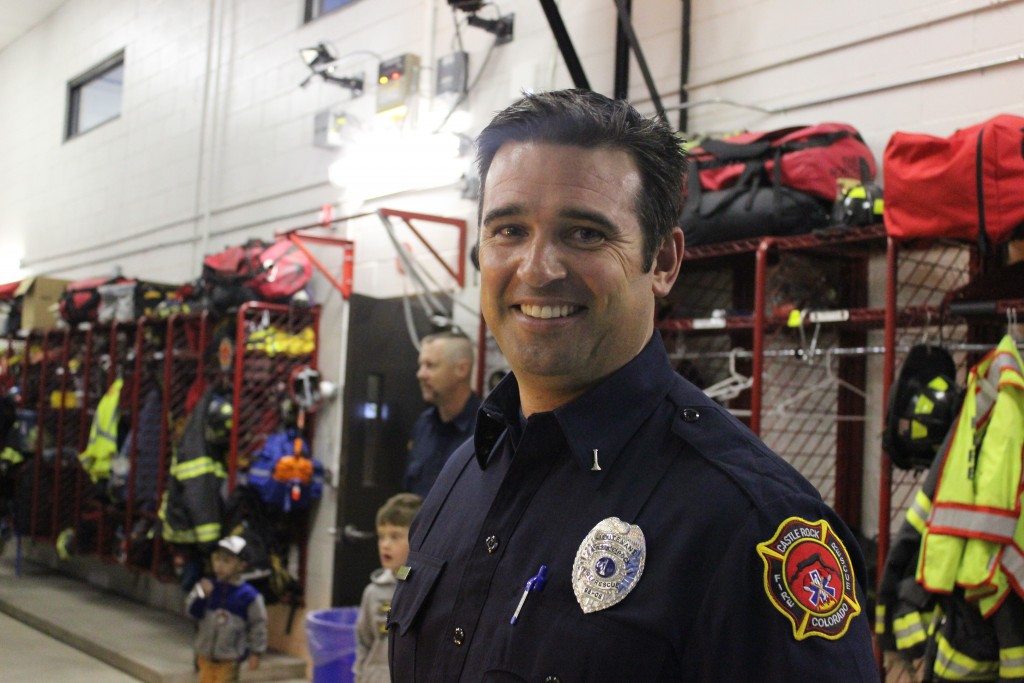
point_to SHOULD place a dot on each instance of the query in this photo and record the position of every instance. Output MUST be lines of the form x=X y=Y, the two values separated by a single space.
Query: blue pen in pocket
x=535 y=583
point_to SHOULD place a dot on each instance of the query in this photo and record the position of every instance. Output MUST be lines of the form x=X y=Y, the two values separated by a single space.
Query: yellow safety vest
x=102 y=445
x=976 y=511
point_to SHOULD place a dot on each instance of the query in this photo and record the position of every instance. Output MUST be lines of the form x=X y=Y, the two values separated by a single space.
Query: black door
x=381 y=402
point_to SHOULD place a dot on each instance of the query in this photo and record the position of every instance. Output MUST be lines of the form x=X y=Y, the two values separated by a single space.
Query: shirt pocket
x=562 y=643
x=406 y=605
x=412 y=593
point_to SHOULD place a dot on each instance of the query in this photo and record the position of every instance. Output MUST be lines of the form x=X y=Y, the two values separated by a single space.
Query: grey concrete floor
x=56 y=628
x=29 y=656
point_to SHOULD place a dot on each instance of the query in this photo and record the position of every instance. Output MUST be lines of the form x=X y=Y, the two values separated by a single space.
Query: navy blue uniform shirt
x=703 y=490
x=433 y=441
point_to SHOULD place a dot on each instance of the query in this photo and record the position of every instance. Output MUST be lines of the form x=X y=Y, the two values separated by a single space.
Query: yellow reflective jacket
x=976 y=508
x=102 y=445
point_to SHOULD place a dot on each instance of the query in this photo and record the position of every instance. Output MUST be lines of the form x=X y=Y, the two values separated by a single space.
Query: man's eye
x=587 y=235
x=507 y=231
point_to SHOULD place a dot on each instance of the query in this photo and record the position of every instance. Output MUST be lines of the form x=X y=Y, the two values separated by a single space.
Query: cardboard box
x=40 y=296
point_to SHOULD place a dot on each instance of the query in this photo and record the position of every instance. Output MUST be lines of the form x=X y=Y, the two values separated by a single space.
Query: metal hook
x=1011 y=321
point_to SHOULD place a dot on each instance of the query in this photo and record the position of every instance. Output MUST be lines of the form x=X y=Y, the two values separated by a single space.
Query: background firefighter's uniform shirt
x=432 y=443
x=704 y=491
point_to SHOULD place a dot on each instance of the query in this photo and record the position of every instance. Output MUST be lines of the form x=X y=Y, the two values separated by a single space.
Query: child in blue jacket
x=231 y=614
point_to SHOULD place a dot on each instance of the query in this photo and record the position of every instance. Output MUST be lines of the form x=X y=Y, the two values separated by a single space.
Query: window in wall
x=95 y=96
x=318 y=8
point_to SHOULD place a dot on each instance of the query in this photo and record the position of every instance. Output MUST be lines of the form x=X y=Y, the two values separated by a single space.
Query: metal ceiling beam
x=565 y=46
x=626 y=26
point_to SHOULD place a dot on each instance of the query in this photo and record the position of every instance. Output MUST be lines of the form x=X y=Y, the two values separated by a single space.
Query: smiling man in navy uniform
x=608 y=521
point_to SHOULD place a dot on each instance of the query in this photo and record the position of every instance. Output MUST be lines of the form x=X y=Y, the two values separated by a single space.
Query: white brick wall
x=138 y=186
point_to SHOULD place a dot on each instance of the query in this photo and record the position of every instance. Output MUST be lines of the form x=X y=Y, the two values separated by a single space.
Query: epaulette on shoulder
x=726 y=443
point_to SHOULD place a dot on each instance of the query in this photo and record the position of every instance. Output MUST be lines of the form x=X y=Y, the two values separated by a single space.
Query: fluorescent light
x=380 y=163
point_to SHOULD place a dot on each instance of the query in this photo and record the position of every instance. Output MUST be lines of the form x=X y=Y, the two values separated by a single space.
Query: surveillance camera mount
x=501 y=27
x=355 y=84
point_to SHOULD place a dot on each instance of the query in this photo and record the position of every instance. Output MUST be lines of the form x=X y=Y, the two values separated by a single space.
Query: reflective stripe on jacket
x=191 y=509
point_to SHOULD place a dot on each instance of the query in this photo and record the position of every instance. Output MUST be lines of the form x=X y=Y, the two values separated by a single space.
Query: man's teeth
x=545 y=312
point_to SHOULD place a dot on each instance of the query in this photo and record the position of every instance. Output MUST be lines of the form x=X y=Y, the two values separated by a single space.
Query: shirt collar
x=604 y=418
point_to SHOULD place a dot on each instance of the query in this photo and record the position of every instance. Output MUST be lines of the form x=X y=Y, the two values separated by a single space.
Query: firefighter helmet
x=219 y=420
x=859 y=204
x=923 y=404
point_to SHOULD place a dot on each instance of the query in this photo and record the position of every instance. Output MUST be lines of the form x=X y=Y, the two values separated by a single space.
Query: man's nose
x=541 y=263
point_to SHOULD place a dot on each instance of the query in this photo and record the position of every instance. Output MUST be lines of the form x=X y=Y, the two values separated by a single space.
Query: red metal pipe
x=345 y=284
x=83 y=419
x=59 y=450
x=459 y=276
x=412 y=215
x=40 y=418
x=236 y=396
x=112 y=350
x=133 y=447
x=203 y=334
x=888 y=373
x=462 y=226
x=103 y=529
x=757 y=352
x=165 y=412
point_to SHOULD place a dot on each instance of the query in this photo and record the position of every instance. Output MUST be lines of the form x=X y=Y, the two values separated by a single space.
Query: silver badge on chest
x=608 y=565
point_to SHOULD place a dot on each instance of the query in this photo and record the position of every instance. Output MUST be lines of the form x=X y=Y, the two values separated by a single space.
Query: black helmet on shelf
x=923 y=404
x=219 y=420
x=859 y=204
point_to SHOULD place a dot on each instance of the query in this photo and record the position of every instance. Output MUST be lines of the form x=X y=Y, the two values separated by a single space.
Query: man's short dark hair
x=583 y=118
x=399 y=510
x=460 y=349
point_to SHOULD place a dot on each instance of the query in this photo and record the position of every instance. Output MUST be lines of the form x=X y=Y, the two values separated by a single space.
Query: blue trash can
x=331 y=634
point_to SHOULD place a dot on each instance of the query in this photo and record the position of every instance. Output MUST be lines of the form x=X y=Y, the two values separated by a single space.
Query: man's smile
x=546 y=312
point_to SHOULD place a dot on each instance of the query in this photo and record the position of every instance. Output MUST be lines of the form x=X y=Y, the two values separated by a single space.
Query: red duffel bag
x=968 y=186
x=811 y=159
x=81 y=299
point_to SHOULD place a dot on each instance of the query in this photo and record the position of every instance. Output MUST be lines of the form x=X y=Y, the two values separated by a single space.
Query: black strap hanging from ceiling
x=684 y=67
x=625 y=28
x=621 y=90
x=572 y=61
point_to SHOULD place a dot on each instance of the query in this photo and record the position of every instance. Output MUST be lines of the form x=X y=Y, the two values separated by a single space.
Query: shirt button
x=690 y=414
x=492 y=544
x=459 y=636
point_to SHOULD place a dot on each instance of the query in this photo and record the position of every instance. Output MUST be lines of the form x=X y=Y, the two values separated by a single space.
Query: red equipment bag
x=234 y=265
x=969 y=185
x=8 y=290
x=810 y=159
x=285 y=269
x=80 y=301
x=781 y=182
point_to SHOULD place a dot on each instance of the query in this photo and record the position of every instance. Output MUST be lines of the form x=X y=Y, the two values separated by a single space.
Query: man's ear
x=667 y=261
x=465 y=368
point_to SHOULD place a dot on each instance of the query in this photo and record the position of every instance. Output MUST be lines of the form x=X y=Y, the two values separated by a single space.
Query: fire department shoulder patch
x=808 y=576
